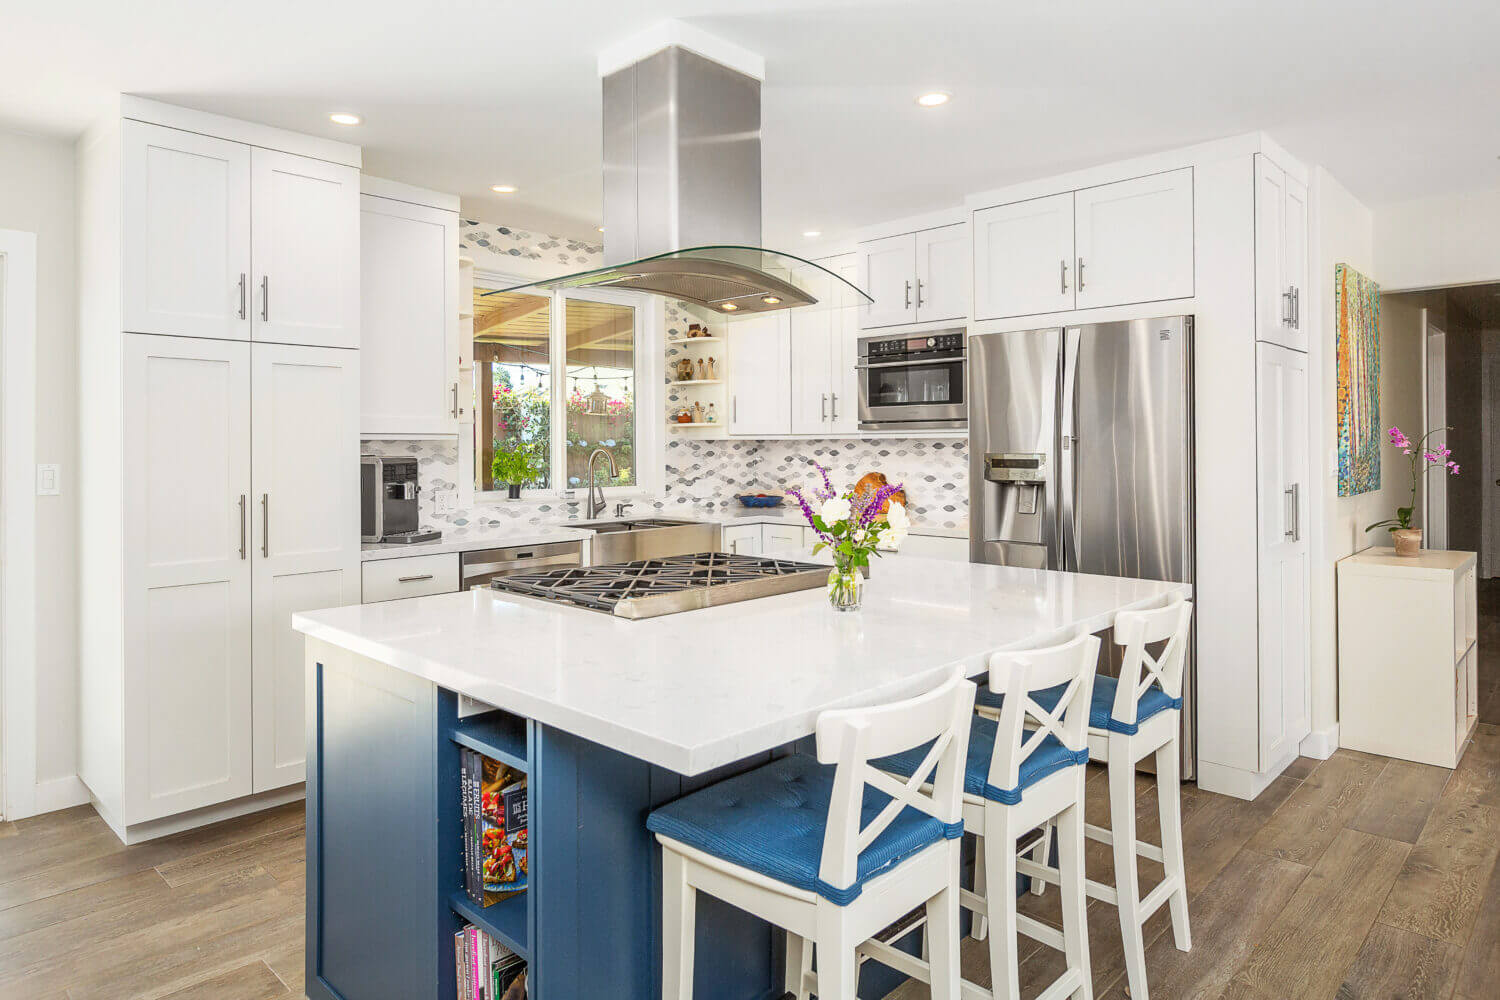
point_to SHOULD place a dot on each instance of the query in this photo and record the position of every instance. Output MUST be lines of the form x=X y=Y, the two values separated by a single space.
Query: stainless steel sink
x=628 y=539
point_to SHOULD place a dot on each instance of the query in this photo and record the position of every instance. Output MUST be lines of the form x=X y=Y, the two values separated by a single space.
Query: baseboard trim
x=60 y=793
x=137 y=833
x=1321 y=743
x=1237 y=782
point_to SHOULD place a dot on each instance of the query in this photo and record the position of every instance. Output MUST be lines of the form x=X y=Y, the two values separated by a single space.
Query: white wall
x=1344 y=232
x=36 y=195
x=1429 y=242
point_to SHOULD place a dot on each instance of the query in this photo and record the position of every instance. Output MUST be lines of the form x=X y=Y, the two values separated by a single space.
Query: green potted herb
x=513 y=468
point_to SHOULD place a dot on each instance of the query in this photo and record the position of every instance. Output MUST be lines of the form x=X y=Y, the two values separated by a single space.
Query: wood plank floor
x=1356 y=877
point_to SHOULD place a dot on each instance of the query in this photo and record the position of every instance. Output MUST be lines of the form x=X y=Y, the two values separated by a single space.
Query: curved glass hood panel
x=732 y=280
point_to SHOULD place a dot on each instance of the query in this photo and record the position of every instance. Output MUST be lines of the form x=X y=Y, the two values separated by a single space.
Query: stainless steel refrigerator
x=1081 y=456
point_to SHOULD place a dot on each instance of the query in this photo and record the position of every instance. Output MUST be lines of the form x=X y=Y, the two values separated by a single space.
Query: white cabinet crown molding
x=379 y=187
x=142 y=109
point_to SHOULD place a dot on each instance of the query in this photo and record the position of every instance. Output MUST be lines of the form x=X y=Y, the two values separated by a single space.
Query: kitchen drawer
x=411 y=576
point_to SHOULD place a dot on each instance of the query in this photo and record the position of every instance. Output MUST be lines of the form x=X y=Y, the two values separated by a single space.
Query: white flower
x=861 y=534
x=835 y=510
x=890 y=539
x=896 y=517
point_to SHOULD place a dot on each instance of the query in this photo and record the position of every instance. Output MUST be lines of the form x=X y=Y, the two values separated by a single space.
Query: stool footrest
x=1103 y=835
x=914 y=967
x=1038 y=931
x=1065 y=986
x=1158 y=896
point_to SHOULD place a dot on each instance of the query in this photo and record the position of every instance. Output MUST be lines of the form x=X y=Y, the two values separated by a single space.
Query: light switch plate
x=48 y=480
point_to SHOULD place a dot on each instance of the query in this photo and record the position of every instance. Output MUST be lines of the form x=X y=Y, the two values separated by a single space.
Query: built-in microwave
x=913 y=383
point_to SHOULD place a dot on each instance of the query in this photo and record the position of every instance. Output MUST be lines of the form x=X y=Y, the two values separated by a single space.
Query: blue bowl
x=751 y=501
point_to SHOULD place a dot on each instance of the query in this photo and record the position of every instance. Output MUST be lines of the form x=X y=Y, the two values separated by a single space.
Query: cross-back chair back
x=1023 y=723
x=851 y=738
x=1139 y=670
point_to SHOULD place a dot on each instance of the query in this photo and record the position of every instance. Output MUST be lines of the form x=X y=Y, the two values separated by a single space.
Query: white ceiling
x=1395 y=98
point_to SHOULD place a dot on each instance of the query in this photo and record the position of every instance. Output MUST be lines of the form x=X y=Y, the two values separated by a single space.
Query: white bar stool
x=830 y=854
x=1024 y=770
x=1134 y=717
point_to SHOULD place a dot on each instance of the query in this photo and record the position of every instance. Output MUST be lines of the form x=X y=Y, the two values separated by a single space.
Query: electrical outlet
x=445 y=500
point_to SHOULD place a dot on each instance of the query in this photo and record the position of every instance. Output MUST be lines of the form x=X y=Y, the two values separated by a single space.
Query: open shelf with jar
x=696 y=379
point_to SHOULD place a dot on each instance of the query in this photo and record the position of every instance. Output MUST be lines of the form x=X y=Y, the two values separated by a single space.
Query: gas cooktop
x=648 y=588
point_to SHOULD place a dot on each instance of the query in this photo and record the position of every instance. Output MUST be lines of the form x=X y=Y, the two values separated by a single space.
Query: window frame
x=650 y=434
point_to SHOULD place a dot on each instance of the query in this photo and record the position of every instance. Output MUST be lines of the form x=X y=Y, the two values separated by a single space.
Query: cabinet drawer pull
x=242 y=295
x=1296 y=308
x=414 y=579
x=455 y=400
x=908 y=294
x=242 y=525
x=1286 y=307
x=265 y=298
x=265 y=525
x=1080 y=274
x=835 y=397
x=919 y=293
x=1063 y=276
x=825 y=406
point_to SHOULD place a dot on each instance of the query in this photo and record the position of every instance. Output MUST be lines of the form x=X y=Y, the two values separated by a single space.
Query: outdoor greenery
x=523 y=429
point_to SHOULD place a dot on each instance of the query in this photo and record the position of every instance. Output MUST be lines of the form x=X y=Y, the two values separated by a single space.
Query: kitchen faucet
x=593 y=506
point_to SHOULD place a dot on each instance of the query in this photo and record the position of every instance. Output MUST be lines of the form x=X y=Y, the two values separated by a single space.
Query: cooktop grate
x=647 y=588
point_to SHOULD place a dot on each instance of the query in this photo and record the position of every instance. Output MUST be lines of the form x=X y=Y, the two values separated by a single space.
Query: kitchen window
x=556 y=376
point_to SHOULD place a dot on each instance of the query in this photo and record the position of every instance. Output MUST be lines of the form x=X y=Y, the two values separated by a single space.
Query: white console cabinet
x=1408 y=654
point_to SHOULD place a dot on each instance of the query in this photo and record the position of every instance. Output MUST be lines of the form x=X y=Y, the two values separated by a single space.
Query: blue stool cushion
x=1153 y=701
x=772 y=820
x=1050 y=756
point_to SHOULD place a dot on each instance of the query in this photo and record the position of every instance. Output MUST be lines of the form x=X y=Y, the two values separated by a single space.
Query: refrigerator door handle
x=1067 y=464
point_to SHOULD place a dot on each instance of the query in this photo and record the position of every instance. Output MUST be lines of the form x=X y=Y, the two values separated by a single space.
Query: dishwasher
x=483 y=565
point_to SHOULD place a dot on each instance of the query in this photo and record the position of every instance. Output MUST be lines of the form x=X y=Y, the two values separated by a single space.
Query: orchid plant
x=846 y=524
x=1423 y=461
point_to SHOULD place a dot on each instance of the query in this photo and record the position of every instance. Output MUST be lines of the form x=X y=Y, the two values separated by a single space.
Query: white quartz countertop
x=477 y=538
x=492 y=536
x=697 y=690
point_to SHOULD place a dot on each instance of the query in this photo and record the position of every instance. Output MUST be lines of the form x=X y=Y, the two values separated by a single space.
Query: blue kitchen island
x=608 y=718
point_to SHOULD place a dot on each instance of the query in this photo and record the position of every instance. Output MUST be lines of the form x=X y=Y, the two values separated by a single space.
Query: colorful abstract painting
x=1357 y=307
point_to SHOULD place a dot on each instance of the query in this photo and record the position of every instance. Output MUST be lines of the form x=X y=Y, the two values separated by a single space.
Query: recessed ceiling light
x=934 y=99
x=343 y=118
x=729 y=307
x=770 y=300
x=601 y=229
x=503 y=188
x=813 y=234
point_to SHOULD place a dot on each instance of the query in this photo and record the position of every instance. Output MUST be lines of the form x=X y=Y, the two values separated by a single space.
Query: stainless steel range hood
x=682 y=203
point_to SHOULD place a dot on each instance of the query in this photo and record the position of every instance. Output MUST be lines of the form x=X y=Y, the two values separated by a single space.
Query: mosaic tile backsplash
x=702 y=478
x=503 y=247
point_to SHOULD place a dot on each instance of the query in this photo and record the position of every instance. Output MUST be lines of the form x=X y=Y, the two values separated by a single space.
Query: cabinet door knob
x=835 y=406
x=242 y=295
x=919 y=293
x=1063 y=277
x=265 y=525
x=242 y=525
x=908 y=294
x=265 y=298
x=1080 y=274
x=825 y=406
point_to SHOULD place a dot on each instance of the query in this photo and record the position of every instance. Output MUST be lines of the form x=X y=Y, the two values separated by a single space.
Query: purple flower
x=1399 y=439
x=877 y=502
x=827 y=492
x=1453 y=468
x=807 y=512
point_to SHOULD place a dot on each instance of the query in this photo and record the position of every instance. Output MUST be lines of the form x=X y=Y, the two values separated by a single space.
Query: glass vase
x=845 y=587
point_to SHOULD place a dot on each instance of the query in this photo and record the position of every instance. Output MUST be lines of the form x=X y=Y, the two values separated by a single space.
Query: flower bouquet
x=847 y=526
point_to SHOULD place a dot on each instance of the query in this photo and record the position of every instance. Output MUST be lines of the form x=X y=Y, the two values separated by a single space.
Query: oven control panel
x=897 y=348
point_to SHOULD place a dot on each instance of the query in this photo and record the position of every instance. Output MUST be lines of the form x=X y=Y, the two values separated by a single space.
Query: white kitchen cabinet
x=409 y=576
x=942 y=260
x=187 y=579
x=919 y=277
x=887 y=273
x=305 y=246
x=1108 y=245
x=1407 y=681
x=759 y=374
x=184 y=233
x=843 y=401
x=1133 y=240
x=1023 y=257
x=1282 y=517
x=226 y=240
x=812 y=361
x=304 y=439
x=1280 y=256
x=409 y=307
x=783 y=539
x=742 y=539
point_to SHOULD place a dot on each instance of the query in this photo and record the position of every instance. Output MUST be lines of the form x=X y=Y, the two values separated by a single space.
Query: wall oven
x=913 y=383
